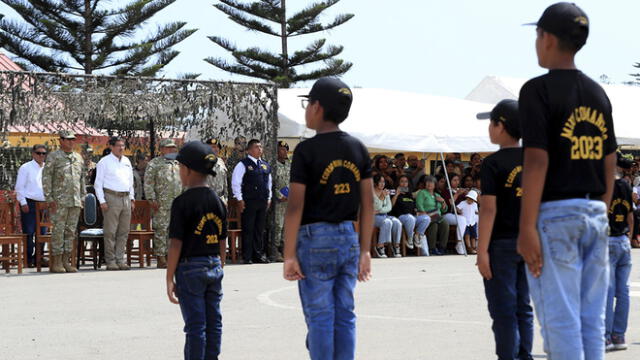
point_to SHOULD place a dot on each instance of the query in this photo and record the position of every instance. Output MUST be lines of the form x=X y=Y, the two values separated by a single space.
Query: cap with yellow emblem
x=283 y=144
x=566 y=21
x=198 y=156
x=332 y=94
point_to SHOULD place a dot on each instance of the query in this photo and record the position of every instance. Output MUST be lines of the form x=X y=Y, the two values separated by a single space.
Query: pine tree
x=90 y=35
x=281 y=68
x=636 y=76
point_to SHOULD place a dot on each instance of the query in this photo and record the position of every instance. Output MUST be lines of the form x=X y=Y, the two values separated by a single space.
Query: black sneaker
x=380 y=252
x=396 y=252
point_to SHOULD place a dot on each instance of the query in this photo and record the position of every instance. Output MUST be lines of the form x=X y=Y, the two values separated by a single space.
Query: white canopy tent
x=624 y=100
x=399 y=121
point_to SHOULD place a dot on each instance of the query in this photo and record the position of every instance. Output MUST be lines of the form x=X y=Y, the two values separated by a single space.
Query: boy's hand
x=529 y=249
x=171 y=291
x=484 y=265
x=364 y=273
x=291 y=270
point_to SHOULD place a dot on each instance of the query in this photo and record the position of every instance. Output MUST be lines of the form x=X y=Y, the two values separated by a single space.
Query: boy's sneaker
x=618 y=342
x=396 y=252
x=608 y=345
x=380 y=252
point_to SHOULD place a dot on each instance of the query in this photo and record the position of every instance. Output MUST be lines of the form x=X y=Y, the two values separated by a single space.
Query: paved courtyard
x=415 y=308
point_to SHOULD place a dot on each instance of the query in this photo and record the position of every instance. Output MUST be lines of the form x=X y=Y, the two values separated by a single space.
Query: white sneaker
x=460 y=248
x=396 y=252
x=416 y=240
x=410 y=241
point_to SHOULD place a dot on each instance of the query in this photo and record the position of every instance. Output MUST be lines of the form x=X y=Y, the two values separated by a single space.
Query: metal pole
x=453 y=203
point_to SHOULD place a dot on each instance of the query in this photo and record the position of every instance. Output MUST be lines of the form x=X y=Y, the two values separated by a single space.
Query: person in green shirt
x=429 y=202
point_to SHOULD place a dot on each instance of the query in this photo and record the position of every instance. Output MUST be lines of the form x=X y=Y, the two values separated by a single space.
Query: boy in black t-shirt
x=503 y=270
x=330 y=189
x=620 y=225
x=567 y=180
x=197 y=228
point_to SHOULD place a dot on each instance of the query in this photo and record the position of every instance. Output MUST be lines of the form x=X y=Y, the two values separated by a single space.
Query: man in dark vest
x=251 y=185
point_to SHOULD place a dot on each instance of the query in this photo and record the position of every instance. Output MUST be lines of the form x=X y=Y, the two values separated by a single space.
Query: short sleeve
x=176 y=224
x=365 y=171
x=299 y=173
x=488 y=173
x=610 y=144
x=534 y=116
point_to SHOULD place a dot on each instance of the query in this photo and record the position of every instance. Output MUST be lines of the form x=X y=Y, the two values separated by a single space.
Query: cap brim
x=483 y=115
x=304 y=96
x=530 y=24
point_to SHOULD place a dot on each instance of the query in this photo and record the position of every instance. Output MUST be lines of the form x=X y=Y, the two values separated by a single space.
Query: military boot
x=66 y=263
x=162 y=262
x=56 y=264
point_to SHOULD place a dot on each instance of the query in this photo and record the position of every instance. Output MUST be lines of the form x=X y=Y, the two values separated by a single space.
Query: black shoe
x=248 y=262
x=263 y=260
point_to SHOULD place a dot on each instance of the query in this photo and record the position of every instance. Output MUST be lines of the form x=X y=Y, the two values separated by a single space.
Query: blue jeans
x=390 y=228
x=620 y=261
x=508 y=299
x=28 y=221
x=412 y=223
x=571 y=292
x=199 y=290
x=328 y=255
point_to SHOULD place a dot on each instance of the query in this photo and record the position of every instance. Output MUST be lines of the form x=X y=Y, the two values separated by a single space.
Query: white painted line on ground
x=265 y=299
x=634 y=293
x=635 y=284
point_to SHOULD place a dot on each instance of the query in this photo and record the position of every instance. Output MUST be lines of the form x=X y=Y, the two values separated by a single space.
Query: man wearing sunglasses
x=28 y=191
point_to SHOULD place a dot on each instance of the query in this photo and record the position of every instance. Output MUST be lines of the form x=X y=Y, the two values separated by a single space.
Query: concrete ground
x=415 y=308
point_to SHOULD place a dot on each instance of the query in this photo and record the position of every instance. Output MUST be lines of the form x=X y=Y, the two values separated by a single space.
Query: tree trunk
x=88 y=44
x=286 y=81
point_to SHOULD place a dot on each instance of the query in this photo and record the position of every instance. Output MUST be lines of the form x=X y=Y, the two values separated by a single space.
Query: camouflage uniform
x=90 y=169
x=162 y=184
x=218 y=183
x=282 y=172
x=63 y=182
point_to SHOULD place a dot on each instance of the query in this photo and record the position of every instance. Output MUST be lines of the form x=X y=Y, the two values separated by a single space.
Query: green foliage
x=636 y=76
x=269 y=17
x=91 y=35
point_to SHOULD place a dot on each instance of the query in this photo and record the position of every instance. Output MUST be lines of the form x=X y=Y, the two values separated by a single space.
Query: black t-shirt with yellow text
x=621 y=206
x=500 y=176
x=569 y=115
x=331 y=165
x=199 y=220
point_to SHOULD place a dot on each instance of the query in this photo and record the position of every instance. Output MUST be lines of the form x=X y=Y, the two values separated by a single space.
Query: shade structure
x=399 y=121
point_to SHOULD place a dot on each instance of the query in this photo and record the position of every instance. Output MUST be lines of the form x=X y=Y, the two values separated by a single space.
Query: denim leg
x=345 y=316
x=502 y=298
x=422 y=223
x=524 y=311
x=396 y=229
x=595 y=283
x=317 y=296
x=28 y=221
x=614 y=255
x=556 y=292
x=622 y=272
x=213 y=296
x=383 y=223
x=409 y=223
x=191 y=288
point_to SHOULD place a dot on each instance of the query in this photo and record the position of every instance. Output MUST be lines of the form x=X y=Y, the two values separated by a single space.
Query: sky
x=426 y=46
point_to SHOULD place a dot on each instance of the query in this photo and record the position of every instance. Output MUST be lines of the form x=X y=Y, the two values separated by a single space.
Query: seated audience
x=429 y=202
x=404 y=208
x=390 y=227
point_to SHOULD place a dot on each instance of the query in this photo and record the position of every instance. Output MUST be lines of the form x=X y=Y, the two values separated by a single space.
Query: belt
x=116 y=193
x=557 y=197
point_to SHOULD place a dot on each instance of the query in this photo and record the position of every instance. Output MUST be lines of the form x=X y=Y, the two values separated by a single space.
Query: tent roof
x=624 y=100
x=399 y=121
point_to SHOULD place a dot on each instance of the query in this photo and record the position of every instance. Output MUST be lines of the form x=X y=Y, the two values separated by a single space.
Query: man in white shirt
x=251 y=184
x=28 y=191
x=114 y=190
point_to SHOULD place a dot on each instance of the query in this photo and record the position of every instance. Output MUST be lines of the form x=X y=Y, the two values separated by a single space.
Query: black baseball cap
x=332 y=94
x=197 y=156
x=623 y=162
x=566 y=21
x=506 y=112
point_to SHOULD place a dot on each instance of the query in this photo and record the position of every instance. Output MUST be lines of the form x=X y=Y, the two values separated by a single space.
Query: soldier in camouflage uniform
x=238 y=153
x=63 y=182
x=218 y=183
x=89 y=164
x=281 y=187
x=162 y=185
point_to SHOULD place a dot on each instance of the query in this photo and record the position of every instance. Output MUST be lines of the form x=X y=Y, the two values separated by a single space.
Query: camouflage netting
x=139 y=109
